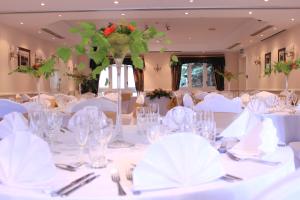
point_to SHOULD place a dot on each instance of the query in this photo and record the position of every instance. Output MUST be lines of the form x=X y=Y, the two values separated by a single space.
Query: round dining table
x=287 y=125
x=256 y=176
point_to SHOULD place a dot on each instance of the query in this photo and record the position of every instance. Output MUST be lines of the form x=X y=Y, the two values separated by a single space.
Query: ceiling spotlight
x=60 y=15
x=116 y=2
x=186 y=13
x=266 y=0
x=250 y=13
x=191 y=1
x=123 y=14
x=43 y=4
x=261 y=35
x=21 y=23
x=293 y=19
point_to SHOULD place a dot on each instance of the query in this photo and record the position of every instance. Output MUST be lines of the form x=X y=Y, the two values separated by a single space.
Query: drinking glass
x=54 y=123
x=82 y=133
x=178 y=114
x=142 y=114
x=98 y=143
x=155 y=132
x=37 y=122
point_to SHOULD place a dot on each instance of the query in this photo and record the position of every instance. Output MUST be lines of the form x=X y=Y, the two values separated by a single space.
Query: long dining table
x=256 y=176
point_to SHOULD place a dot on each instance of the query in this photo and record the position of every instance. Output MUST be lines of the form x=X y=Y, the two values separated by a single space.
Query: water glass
x=155 y=132
x=178 y=114
x=37 y=122
x=81 y=133
x=98 y=143
x=142 y=114
x=54 y=123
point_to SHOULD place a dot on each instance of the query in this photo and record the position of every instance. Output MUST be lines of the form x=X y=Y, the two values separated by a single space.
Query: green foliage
x=158 y=93
x=113 y=40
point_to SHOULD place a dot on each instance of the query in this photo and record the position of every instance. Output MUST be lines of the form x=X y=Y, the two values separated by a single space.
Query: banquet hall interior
x=152 y=99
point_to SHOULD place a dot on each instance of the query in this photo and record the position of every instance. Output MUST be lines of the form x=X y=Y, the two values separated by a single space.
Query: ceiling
x=189 y=32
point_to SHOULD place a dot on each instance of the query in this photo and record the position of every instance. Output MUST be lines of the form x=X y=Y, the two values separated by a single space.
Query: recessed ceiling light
x=275 y=28
x=266 y=0
x=116 y=2
x=186 y=13
x=21 y=23
x=261 y=35
x=123 y=14
x=43 y=4
x=293 y=19
x=60 y=15
x=191 y=1
x=250 y=13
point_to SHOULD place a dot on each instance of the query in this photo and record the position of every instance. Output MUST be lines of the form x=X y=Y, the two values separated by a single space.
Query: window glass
x=131 y=83
x=197 y=75
x=184 y=76
x=211 y=81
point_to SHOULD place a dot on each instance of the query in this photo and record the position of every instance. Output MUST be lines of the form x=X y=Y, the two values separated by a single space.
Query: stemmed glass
x=37 y=122
x=82 y=133
x=54 y=123
x=178 y=114
x=142 y=114
x=98 y=142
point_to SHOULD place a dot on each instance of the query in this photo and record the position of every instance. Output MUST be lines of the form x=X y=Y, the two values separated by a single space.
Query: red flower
x=109 y=30
x=36 y=66
x=131 y=27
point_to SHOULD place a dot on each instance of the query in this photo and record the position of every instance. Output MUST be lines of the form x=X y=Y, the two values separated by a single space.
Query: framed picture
x=23 y=57
x=268 y=61
x=281 y=55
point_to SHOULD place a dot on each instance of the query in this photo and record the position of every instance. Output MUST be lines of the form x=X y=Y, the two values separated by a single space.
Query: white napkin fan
x=178 y=160
x=25 y=161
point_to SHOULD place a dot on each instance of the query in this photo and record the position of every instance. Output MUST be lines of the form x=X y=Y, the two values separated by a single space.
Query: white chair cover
x=8 y=106
x=218 y=103
x=285 y=189
x=188 y=101
x=102 y=103
x=200 y=95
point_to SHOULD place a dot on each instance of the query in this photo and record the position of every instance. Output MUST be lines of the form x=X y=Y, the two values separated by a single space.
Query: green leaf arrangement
x=228 y=75
x=158 y=93
x=286 y=67
x=46 y=69
x=114 y=40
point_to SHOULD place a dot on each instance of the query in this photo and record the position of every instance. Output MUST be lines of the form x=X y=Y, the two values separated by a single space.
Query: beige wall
x=20 y=83
x=256 y=78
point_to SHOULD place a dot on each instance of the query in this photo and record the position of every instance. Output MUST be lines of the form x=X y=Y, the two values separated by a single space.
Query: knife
x=79 y=186
x=73 y=183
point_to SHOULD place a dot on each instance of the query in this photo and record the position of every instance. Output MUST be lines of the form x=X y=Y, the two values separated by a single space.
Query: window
x=108 y=78
x=200 y=75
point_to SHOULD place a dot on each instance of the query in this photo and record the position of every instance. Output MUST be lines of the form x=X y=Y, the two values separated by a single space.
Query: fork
x=129 y=176
x=116 y=178
x=236 y=158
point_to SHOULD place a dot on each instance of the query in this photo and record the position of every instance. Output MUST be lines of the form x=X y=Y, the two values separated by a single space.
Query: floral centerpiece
x=286 y=67
x=44 y=69
x=228 y=76
x=158 y=93
x=114 y=40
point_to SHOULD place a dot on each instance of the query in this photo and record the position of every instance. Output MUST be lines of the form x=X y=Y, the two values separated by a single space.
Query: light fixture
x=191 y=1
x=43 y=4
x=261 y=35
x=123 y=14
x=116 y=2
x=186 y=13
x=60 y=15
x=257 y=61
x=293 y=19
x=21 y=23
x=266 y=0
x=250 y=13
x=157 y=68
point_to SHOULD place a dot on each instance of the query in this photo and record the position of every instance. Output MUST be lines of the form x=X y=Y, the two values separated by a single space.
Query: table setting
x=172 y=157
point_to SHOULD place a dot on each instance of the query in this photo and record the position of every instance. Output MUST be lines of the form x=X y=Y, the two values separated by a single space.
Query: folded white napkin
x=242 y=125
x=261 y=139
x=25 y=160
x=257 y=106
x=83 y=112
x=185 y=114
x=165 y=165
x=188 y=101
x=12 y=122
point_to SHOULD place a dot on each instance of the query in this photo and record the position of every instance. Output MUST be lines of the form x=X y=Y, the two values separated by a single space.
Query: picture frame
x=281 y=55
x=24 y=58
x=268 y=60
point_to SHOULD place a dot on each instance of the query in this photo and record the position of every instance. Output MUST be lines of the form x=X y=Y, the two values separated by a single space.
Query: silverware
x=231 y=178
x=66 y=167
x=79 y=186
x=116 y=178
x=236 y=158
x=72 y=184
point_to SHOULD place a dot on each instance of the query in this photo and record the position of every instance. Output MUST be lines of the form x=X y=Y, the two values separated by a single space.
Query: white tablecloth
x=287 y=125
x=257 y=177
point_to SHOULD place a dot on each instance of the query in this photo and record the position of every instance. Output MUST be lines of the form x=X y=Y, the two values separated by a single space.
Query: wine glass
x=178 y=114
x=37 y=122
x=81 y=133
x=98 y=143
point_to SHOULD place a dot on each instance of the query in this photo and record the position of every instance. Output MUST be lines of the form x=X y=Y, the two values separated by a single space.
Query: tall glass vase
x=38 y=82
x=119 y=140
x=286 y=83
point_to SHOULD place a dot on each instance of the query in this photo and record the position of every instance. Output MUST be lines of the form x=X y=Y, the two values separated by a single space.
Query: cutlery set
x=236 y=158
x=74 y=185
